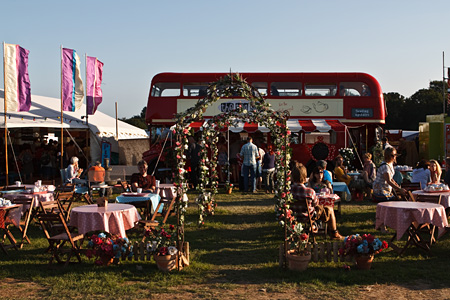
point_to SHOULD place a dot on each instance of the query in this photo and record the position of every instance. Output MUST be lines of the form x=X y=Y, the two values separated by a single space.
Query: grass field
x=235 y=253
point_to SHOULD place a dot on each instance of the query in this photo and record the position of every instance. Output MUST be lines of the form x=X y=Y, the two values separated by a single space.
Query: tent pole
x=6 y=127
x=62 y=131
x=228 y=156
x=117 y=125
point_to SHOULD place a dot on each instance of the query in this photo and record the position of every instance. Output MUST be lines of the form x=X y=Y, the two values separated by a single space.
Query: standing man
x=249 y=154
x=194 y=155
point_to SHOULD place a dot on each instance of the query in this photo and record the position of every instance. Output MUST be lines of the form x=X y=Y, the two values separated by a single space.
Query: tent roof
x=295 y=125
x=46 y=112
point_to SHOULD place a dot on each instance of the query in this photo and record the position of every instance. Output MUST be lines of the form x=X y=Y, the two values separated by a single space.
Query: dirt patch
x=18 y=289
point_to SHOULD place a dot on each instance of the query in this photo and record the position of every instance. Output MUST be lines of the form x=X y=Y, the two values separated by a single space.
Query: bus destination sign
x=362 y=112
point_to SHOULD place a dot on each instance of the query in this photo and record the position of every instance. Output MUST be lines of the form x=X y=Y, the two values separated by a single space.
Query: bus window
x=286 y=89
x=261 y=87
x=326 y=137
x=166 y=89
x=195 y=89
x=320 y=90
x=354 y=89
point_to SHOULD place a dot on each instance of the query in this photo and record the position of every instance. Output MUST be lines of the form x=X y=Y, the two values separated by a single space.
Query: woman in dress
x=435 y=171
x=384 y=183
x=317 y=183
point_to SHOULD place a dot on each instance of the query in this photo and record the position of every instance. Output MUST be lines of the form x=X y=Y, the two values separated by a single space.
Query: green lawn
x=238 y=245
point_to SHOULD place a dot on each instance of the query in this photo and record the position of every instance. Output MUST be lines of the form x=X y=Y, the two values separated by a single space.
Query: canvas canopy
x=46 y=112
x=295 y=125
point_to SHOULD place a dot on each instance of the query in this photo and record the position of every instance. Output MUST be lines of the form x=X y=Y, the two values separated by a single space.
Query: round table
x=399 y=215
x=115 y=219
x=445 y=196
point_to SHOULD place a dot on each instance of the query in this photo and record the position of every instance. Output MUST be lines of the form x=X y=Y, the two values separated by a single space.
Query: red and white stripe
x=294 y=125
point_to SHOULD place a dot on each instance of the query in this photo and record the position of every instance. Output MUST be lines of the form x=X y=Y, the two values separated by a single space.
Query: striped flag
x=72 y=84
x=17 y=80
x=94 y=74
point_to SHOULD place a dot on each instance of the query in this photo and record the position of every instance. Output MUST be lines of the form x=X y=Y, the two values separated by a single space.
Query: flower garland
x=257 y=111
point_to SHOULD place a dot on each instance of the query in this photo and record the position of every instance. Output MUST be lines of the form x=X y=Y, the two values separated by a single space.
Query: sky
x=400 y=43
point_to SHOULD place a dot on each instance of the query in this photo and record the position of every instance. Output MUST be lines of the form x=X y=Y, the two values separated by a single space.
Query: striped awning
x=295 y=125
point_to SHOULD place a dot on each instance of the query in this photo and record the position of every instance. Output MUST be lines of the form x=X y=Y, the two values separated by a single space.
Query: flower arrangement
x=105 y=247
x=228 y=185
x=162 y=242
x=348 y=155
x=366 y=244
x=297 y=238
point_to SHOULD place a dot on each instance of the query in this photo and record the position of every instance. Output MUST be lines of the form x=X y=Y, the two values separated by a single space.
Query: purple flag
x=72 y=84
x=17 y=80
x=94 y=75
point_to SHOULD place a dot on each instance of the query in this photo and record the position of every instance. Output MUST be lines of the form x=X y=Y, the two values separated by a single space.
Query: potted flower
x=228 y=187
x=162 y=245
x=107 y=248
x=362 y=248
x=298 y=256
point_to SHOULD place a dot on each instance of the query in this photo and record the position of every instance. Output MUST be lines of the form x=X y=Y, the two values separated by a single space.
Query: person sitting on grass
x=143 y=180
x=318 y=212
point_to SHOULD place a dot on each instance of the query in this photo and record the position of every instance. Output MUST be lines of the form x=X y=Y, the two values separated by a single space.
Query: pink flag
x=72 y=84
x=17 y=80
x=94 y=74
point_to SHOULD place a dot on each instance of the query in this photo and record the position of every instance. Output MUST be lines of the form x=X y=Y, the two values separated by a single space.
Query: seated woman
x=317 y=181
x=435 y=171
x=73 y=172
x=422 y=173
x=369 y=172
x=340 y=171
x=318 y=212
x=384 y=182
x=142 y=180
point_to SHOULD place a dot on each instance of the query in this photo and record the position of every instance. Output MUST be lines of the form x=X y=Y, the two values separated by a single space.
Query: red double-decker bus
x=328 y=111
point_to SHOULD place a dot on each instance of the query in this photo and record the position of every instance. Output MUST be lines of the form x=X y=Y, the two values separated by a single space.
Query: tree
x=137 y=120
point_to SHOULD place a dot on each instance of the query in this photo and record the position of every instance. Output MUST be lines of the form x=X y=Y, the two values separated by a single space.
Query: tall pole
x=62 y=131
x=117 y=125
x=443 y=84
x=87 y=112
x=6 y=127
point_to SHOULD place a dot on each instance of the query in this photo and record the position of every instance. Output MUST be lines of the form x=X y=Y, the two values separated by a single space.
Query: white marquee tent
x=46 y=112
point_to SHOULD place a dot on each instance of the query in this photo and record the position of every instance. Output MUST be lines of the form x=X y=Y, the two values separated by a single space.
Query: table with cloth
x=168 y=191
x=116 y=218
x=445 y=196
x=37 y=196
x=9 y=215
x=343 y=188
x=406 y=217
x=138 y=198
x=330 y=200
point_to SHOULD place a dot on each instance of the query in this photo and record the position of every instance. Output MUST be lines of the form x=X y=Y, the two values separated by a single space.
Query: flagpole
x=443 y=83
x=86 y=96
x=62 y=131
x=6 y=127
x=117 y=125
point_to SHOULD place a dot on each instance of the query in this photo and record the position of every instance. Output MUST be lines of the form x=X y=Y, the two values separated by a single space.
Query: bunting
x=94 y=74
x=17 y=80
x=72 y=84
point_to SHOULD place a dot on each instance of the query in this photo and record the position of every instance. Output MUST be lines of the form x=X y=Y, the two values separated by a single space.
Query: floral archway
x=253 y=109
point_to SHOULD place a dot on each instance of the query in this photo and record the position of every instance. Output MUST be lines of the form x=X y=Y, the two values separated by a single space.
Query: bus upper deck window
x=354 y=89
x=261 y=87
x=320 y=90
x=195 y=89
x=286 y=89
x=166 y=89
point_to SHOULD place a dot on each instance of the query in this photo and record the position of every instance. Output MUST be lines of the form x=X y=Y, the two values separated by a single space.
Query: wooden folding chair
x=125 y=186
x=168 y=209
x=436 y=198
x=57 y=241
x=411 y=186
x=27 y=215
x=65 y=200
x=4 y=228
x=408 y=197
x=301 y=211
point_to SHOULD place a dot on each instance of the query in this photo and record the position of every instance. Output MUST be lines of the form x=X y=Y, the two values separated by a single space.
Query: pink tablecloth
x=168 y=190
x=116 y=219
x=329 y=200
x=445 y=196
x=38 y=197
x=399 y=215
x=10 y=214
